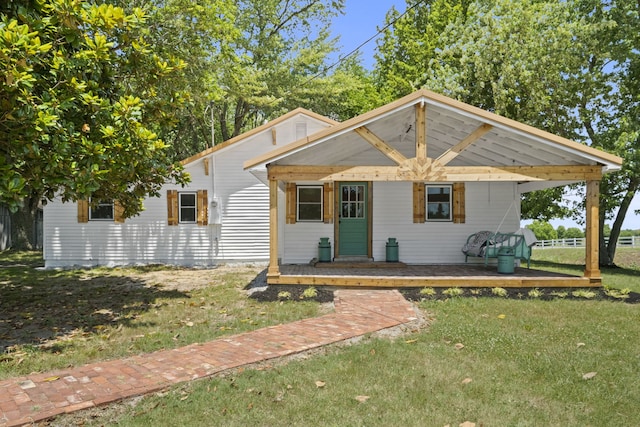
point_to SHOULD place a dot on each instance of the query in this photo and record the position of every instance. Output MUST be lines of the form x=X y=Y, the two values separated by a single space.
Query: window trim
x=102 y=203
x=426 y=198
x=195 y=207
x=320 y=202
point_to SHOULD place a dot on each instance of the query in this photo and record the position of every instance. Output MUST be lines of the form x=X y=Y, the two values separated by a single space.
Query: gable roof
x=258 y=130
x=502 y=142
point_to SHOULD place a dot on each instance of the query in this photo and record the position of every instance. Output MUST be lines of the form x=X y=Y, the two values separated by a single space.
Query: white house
x=425 y=169
x=222 y=216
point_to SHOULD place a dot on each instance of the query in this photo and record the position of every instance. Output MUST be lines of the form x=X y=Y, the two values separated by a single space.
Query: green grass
x=571 y=261
x=58 y=318
x=525 y=360
x=521 y=363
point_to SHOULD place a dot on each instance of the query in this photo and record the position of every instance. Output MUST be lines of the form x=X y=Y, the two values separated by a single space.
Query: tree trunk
x=603 y=255
x=24 y=225
x=617 y=224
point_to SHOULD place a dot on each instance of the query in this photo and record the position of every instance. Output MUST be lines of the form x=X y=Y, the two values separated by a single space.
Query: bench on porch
x=487 y=244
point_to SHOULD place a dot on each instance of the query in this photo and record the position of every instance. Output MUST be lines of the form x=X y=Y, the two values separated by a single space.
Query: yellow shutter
x=83 y=210
x=172 y=207
x=458 y=203
x=118 y=212
x=203 y=212
x=327 y=200
x=419 y=204
x=291 y=195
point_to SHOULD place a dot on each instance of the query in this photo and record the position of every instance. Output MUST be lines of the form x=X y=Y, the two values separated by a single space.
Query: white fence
x=623 y=242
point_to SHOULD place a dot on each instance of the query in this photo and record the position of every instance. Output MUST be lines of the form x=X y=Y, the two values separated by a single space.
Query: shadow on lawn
x=37 y=306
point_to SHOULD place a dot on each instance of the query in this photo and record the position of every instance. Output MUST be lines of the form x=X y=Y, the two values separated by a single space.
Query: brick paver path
x=32 y=398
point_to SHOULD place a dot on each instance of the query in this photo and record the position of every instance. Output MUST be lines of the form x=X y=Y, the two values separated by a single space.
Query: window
x=188 y=207
x=309 y=203
x=446 y=201
x=103 y=211
x=352 y=201
x=439 y=203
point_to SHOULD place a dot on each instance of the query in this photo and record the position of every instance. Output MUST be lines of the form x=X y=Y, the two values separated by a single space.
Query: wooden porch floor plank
x=427 y=276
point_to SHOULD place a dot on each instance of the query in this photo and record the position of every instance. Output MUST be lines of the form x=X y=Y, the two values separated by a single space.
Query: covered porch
x=395 y=155
x=378 y=275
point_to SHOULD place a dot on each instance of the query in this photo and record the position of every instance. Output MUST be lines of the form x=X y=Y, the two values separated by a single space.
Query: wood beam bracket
x=454 y=151
x=379 y=144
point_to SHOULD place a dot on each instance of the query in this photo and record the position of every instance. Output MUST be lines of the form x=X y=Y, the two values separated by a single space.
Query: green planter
x=324 y=250
x=392 y=250
x=506 y=261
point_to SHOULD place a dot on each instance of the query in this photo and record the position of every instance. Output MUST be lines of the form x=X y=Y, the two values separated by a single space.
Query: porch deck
x=402 y=275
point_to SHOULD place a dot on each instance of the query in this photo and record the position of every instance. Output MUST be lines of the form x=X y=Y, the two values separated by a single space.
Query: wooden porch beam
x=379 y=144
x=453 y=152
x=421 y=133
x=592 y=238
x=444 y=174
x=274 y=269
x=522 y=173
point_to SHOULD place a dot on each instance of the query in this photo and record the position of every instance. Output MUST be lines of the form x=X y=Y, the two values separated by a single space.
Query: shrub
x=453 y=292
x=534 y=293
x=310 y=292
x=284 y=295
x=499 y=292
x=427 y=292
x=583 y=293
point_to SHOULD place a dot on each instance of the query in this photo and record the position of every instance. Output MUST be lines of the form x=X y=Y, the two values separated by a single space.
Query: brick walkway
x=32 y=398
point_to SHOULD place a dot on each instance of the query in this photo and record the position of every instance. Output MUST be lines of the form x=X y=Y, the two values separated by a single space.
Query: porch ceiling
x=444 y=129
x=506 y=143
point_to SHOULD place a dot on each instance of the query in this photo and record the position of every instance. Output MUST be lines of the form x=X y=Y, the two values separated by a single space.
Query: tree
x=272 y=66
x=543 y=230
x=561 y=231
x=572 y=233
x=198 y=34
x=77 y=105
x=410 y=42
x=251 y=61
x=345 y=92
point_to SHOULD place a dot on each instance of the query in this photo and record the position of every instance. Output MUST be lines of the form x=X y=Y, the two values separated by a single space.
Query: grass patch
x=52 y=319
x=522 y=364
x=571 y=261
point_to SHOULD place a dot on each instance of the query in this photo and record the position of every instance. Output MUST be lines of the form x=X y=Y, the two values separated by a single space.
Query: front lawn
x=52 y=319
x=489 y=361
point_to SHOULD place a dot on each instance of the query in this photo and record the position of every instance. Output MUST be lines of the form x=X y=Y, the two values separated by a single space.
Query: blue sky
x=361 y=21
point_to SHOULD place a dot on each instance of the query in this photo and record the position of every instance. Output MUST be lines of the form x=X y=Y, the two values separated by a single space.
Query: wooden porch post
x=274 y=269
x=421 y=133
x=592 y=246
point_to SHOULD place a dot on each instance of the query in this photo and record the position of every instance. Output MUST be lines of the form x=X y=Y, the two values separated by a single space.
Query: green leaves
x=74 y=119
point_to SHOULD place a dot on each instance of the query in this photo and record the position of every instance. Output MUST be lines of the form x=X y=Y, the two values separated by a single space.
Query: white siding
x=143 y=239
x=237 y=231
x=438 y=242
x=301 y=241
x=486 y=205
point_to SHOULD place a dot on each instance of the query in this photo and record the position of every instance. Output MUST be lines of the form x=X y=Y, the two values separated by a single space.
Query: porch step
x=353 y=258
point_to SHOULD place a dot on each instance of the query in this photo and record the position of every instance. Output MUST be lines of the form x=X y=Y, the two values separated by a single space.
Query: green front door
x=353 y=236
